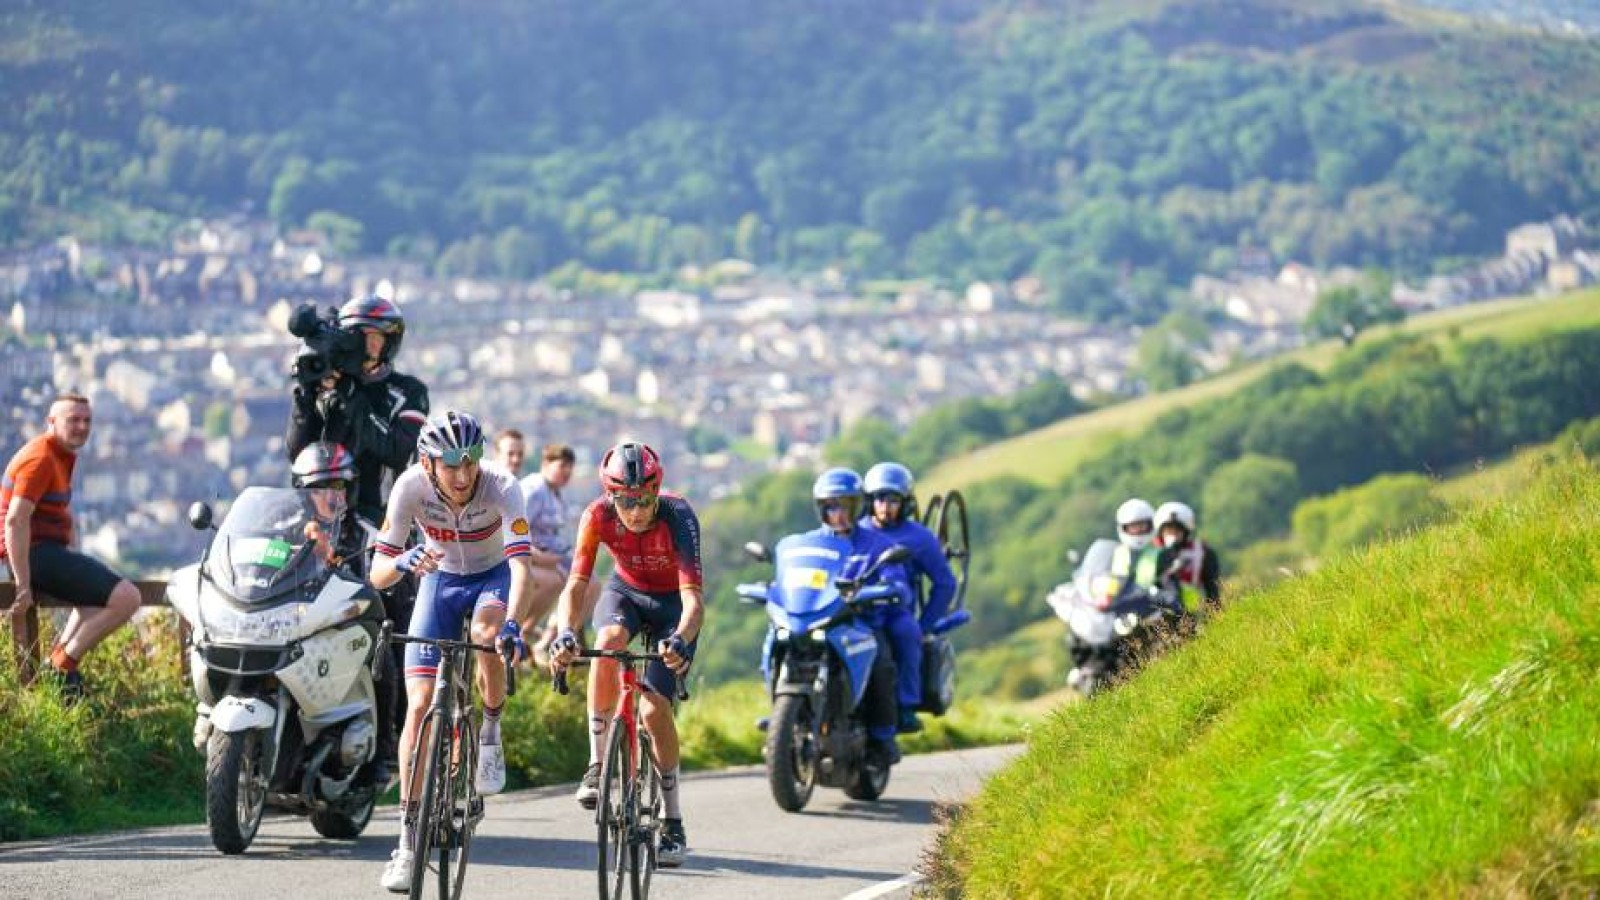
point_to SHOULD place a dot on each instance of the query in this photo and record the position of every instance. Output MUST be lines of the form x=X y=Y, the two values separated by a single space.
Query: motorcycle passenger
x=654 y=538
x=1192 y=563
x=889 y=487
x=474 y=560
x=838 y=495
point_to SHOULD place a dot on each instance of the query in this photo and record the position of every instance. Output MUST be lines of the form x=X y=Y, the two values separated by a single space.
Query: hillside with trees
x=1111 y=149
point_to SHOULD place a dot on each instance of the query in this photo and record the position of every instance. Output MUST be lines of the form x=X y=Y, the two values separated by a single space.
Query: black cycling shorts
x=654 y=614
x=70 y=576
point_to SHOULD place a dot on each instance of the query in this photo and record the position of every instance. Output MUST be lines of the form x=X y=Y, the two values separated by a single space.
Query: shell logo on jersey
x=519 y=527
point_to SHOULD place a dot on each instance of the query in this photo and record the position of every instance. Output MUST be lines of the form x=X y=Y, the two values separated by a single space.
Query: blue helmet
x=893 y=478
x=838 y=485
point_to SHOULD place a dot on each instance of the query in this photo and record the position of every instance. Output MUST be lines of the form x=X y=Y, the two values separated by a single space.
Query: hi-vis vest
x=1143 y=569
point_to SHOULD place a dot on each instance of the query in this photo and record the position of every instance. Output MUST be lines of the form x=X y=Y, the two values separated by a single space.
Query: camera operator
x=348 y=392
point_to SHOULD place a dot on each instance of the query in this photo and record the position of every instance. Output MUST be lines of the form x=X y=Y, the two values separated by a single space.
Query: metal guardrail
x=25 y=645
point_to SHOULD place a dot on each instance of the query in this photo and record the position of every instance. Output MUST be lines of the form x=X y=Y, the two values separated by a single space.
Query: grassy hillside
x=1405 y=722
x=1052 y=453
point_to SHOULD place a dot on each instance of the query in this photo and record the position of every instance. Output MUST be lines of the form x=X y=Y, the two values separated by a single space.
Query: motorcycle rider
x=839 y=495
x=654 y=539
x=1190 y=561
x=473 y=563
x=889 y=488
x=1135 y=557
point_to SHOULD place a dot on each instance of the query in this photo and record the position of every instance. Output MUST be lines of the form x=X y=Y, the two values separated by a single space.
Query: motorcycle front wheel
x=236 y=788
x=791 y=753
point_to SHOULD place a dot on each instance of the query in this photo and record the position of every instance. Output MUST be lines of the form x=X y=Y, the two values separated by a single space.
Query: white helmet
x=1173 y=511
x=1132 y=512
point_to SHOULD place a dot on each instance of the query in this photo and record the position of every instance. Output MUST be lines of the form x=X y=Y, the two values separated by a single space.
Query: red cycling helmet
x=631 y=469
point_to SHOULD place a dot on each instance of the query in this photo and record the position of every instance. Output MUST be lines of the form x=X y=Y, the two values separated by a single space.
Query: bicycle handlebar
x=508 y=654
x=559 y=680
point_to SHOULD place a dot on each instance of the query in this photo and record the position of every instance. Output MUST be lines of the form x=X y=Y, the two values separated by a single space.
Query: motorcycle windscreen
x=807 y=565
x=263 y=551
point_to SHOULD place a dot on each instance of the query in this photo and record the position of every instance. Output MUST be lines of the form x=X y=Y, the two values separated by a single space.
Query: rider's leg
x=663 y=728
x=905 y=637
x=604 y=686
x=486 y=624
x=419 y=696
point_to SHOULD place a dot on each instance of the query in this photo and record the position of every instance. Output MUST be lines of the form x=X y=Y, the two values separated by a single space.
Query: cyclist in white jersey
x=474 y=558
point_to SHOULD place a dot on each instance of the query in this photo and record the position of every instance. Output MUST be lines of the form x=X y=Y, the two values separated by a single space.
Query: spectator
x=34 y=503
x=510 y=447
x=551 y=534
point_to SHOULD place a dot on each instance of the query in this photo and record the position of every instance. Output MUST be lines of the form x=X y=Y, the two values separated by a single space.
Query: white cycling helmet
x=1173 y=511
x=1140 y=516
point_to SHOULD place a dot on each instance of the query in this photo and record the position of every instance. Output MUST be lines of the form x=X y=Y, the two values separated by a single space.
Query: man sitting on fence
x=34 y=499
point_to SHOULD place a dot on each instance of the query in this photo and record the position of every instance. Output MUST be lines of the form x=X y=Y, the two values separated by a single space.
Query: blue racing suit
x=902 y=623
x=867 y=545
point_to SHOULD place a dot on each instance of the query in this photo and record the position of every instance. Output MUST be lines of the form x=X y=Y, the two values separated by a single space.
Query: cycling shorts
x=443 y=602
x=655 y=615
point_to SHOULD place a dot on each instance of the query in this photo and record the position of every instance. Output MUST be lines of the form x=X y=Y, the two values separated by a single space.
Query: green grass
x=1048 y=455
x=1411 y=720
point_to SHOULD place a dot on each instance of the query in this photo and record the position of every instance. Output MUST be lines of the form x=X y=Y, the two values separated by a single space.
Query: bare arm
x=521 y=600
x=693 y=613
x=19 y=536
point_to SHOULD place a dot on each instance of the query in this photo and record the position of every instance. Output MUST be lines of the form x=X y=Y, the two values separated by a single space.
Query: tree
x=1167 y=351
x=1347 y=310
x=1249 y=499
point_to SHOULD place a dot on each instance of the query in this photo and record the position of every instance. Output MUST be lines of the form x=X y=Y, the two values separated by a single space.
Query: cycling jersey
x=467 y=540
x=664 y=557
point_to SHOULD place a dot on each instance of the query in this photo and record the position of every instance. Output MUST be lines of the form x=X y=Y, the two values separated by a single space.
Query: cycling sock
x=597 y=735
x=490 y=732
x=62 y=660
x=408 y=824
x=669 y=793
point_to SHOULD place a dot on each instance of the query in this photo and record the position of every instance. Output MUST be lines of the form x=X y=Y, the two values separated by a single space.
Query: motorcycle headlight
x=274 y=626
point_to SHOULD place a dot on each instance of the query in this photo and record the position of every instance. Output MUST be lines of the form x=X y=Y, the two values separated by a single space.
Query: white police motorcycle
x=283 y=651
x=1103 y=611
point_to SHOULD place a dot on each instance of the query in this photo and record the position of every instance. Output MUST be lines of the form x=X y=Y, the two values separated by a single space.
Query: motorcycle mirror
x=200 y=515
x=757 y=551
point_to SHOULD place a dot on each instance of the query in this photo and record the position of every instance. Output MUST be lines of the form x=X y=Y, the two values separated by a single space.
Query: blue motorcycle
x=816 y=661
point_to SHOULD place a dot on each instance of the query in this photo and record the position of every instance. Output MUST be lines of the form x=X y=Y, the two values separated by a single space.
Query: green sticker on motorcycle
x=275 y=554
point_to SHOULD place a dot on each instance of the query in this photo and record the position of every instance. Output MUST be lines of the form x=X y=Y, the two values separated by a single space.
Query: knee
x=125 y=599
x=612 y=637
x=484 y=631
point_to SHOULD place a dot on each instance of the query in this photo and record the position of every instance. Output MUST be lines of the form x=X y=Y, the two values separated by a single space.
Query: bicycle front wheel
x=613 y=820
x=647 y=834
x=432 y=753
x=463 y=807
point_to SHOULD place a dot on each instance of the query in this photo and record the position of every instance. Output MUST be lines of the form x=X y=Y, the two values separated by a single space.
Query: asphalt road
x=540 y=843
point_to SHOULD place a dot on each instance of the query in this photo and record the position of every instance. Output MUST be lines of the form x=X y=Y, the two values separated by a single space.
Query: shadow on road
x=908 y=812
x=710 y=865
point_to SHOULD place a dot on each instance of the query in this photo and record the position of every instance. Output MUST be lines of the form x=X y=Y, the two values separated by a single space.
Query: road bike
x=446 y=753
x=628 y=817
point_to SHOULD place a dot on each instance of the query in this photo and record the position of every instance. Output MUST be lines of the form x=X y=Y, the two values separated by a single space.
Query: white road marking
x=886 y=888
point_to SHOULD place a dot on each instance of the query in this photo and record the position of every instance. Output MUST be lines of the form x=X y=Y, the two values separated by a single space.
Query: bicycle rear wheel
x=612 y=819
x=433 y=755
x=647 y=834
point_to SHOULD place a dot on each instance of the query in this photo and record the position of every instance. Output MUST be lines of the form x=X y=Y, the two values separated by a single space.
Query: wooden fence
x=25 y=636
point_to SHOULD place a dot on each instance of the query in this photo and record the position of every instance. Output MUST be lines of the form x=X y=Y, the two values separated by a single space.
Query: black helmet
x=377 y=314
x=322 y=462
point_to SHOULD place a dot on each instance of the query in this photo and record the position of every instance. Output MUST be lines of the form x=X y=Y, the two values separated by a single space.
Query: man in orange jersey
x=37 y=537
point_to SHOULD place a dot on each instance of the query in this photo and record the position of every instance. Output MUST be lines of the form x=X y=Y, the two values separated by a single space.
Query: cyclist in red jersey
x=654 y=537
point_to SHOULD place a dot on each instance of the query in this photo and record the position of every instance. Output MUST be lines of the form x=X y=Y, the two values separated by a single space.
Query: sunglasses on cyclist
x=633 y=501
x=455 y=456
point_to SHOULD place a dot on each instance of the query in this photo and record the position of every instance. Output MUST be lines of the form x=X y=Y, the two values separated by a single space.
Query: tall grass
x=1417 y=719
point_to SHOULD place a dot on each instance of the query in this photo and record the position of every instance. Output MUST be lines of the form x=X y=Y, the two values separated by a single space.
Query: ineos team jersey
x=491 y=527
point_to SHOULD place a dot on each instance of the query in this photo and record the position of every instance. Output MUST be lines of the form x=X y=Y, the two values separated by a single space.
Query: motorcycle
x=817 y=659
x=284 y=649
x=1104 y=612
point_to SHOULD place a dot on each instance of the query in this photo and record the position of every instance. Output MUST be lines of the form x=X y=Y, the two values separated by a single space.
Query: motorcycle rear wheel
x=791 y=753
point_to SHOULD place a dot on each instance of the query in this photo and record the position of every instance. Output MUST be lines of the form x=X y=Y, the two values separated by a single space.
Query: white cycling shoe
x=491 y=769
x=397 y=874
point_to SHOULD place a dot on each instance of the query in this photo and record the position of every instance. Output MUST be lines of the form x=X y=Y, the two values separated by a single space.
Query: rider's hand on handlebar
x=674 y=652
x=563 y=650
x=419 y=560
x=511 y=635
